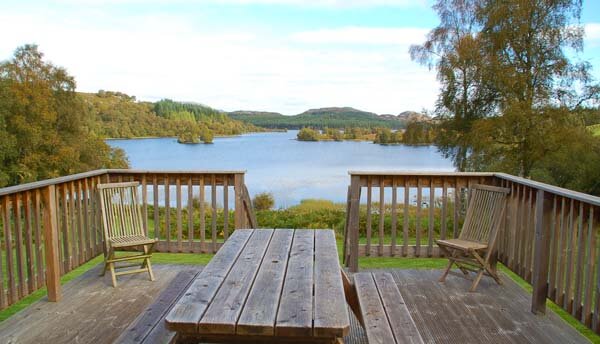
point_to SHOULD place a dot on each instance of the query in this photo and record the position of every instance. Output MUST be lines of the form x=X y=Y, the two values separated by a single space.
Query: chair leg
x=146 y=263
x=112 y=274
x=107 y=256
x=445 y=274
x=476 y=280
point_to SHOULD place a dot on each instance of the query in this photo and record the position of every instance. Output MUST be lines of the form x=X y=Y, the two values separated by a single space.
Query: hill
x=331 y=117
x=118 y=115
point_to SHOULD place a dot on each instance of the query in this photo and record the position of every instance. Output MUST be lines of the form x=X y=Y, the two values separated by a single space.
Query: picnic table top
x=263 y=283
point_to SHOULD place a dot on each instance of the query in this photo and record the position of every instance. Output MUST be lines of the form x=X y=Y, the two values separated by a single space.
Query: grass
x=595 y=129
x=364 y=262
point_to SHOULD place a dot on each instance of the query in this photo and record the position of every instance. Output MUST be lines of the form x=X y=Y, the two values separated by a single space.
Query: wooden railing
x=53 y=226
x=548 y=237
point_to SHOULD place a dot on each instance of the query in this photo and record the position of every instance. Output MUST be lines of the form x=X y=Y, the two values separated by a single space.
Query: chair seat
x=133 y=240
x=462 y=244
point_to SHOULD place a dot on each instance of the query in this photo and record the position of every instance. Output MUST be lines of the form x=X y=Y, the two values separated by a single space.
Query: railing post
x=51 y=243
x=543 y=212
x=238 y=189
x=353 y=223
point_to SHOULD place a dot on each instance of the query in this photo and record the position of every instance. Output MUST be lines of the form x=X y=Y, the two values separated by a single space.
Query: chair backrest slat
x=121 y=210
x=484 y=214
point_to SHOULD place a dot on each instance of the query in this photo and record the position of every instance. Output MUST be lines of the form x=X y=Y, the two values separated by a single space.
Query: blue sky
x=276 y=55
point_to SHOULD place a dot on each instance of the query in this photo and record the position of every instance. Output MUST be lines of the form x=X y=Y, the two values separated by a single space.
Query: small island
x=415 y=133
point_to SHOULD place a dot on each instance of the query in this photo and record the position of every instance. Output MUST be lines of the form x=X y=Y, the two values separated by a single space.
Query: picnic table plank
x=331 y=314
x=186 y=313
x=402 y=324
x=224 y=310
x=260 y=311
x=295 y=314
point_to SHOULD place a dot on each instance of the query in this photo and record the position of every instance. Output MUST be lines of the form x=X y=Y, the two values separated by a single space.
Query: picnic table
x=267 y=285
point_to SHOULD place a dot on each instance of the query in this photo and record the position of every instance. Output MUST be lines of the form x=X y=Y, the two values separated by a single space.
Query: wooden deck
x=94 y=312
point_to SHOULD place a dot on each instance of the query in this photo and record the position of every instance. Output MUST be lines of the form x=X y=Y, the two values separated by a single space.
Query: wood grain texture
x=331 y=314
x=260 y=311
x=401 y=322
x=186 y=314
x=375 y=320
x=224 y=310
x=295 y=314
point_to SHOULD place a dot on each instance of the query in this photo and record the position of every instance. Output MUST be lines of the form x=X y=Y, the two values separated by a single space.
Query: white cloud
x=161 y=56
x=297 y=3
x=592 y=31
x=363 y=35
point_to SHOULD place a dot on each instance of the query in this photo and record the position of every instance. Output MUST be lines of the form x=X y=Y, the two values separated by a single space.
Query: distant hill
x=118 y=115
x=331 y=117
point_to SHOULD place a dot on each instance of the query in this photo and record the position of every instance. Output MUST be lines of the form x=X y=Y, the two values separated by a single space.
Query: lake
x=276 y=162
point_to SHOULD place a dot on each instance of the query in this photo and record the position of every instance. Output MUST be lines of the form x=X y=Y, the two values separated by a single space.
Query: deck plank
x=494 y=314
x=151 y=320
x=260 y=311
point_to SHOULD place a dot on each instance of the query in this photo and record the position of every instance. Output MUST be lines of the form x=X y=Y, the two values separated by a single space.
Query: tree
x=263 y=201
x=189 y=132
x=455 y=49
x=206 y=135
x=517 y=77
x=308 y=134
x=44 y=126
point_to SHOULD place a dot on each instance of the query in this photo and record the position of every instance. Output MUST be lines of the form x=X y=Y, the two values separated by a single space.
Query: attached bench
x=382 y=310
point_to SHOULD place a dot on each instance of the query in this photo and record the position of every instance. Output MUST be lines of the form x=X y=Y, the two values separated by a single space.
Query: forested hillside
x=335 y=117
x=118 y=115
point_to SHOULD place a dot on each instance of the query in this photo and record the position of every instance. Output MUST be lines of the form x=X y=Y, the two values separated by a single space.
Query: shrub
x=263 y=201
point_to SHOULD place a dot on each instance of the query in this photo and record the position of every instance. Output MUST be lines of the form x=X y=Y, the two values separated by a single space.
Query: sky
x=286 y=56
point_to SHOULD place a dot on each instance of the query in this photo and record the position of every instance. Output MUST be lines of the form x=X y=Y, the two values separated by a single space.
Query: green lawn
x=364 y=262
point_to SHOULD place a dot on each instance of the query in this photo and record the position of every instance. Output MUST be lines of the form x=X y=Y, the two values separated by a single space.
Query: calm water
x=275 y=162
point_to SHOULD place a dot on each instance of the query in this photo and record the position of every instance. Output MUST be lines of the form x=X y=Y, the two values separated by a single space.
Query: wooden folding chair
x=474 y=250
x=122 y=222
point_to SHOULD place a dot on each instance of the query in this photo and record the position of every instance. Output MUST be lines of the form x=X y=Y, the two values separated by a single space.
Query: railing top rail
x=47 y=182
x=73 y=177
x=420 y=173
x=579 y=196
x=128 y=171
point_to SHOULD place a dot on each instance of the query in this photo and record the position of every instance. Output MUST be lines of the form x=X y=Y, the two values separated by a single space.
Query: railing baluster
x=202 y=218
x=394 y=215
x=430 y=223
x=179 y=221
x=567 y=304
x=225 y=208
x=381 y=233
x=155 y=206
x=444 y=224
x=405 y=226
x=418 y=218
x=145 y=204
x=581 y=236
x=590 y=265
x=38 y=239
x=4 y=300
x=190 y=210
x=29 y=261
x=553 y=250
x=167 y=190
x=16 y=212
x=369 y=225
x=213 y=225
